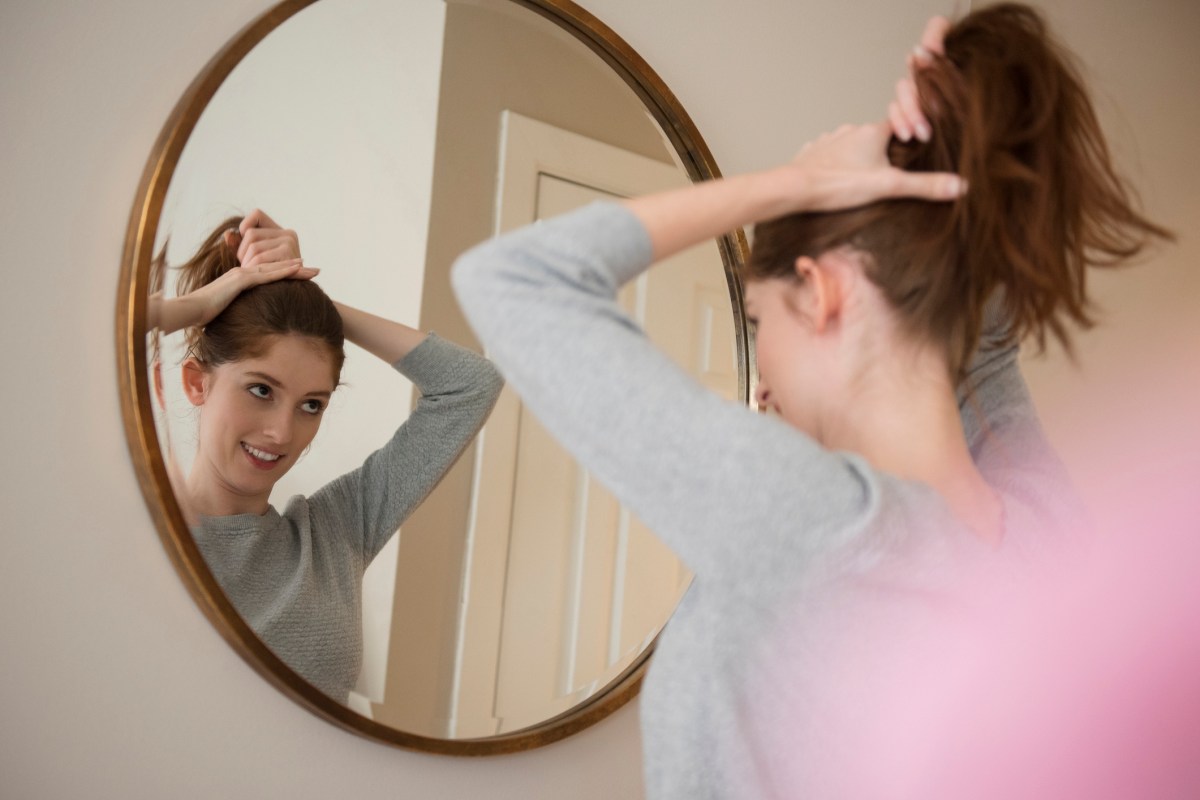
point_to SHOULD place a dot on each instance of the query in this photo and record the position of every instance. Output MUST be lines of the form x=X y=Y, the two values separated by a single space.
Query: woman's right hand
x=849 y=167
x=904 y=112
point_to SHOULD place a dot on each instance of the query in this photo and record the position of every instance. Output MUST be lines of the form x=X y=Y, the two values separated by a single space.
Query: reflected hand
x=261 y=240
x=849 y=167
x=211 y=299
x=201 y=306
x=904 y=112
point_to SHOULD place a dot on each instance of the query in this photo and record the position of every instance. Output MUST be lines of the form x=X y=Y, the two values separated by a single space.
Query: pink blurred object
x=1085 y=684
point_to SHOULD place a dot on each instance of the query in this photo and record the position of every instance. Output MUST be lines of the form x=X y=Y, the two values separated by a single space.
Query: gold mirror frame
x=137 y=408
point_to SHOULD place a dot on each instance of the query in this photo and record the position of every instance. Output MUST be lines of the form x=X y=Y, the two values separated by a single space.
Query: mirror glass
x=392 y=137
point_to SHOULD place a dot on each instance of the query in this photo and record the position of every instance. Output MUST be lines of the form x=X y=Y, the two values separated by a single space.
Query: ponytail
x=212 y=260
x=1010 y=114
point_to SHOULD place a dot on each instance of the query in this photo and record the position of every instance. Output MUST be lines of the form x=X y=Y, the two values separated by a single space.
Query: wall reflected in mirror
x=392 y=137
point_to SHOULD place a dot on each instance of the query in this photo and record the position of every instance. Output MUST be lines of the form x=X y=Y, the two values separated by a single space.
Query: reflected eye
x=259 y=390
x=312 y=406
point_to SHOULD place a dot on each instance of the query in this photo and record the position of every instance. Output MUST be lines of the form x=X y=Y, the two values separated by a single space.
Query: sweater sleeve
x=716 y=482
x=458 y=389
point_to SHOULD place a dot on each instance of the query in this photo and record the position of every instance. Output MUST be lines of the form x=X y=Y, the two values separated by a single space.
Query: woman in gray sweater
x=902 y=450
x=265 y=353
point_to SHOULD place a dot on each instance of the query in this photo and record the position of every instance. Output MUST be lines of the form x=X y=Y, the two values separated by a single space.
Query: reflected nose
x=278 y=427
x=762 y=395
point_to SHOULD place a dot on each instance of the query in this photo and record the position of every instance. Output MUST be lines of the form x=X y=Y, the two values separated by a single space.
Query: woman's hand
x=904 y=112
x=201 y=306
x=260 y=240
x=211 y=299
x=849 y=167
x=840 y=170
x=266 y=253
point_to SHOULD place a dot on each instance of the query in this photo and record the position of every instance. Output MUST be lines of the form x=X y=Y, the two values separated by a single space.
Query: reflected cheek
x=305 y=433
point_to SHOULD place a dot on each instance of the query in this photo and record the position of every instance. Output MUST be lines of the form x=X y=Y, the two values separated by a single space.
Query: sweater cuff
x=436 y=366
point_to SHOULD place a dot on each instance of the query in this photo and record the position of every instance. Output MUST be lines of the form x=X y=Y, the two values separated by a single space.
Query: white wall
x=113 y=684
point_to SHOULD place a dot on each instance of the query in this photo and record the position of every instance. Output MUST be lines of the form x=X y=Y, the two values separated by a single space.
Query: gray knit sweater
x=787 y=540
x=296 y=577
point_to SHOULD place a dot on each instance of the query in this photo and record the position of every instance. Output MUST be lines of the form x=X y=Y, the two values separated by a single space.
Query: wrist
x=774 y=192
x=788 y=190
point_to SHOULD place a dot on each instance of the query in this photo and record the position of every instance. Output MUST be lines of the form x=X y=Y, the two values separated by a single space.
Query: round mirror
x=519 y=602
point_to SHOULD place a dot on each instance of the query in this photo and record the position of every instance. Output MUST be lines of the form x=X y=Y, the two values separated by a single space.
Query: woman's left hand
x=263 y=241
x=849 y=167
x=904 y=112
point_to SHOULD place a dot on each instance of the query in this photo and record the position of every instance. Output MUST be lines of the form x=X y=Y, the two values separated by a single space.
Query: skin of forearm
x=680 y=218
x=170 y=314
x=388 y=340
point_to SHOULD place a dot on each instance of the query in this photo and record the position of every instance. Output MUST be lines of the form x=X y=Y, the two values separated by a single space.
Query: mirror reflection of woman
x=903 y=449
x=265 y=348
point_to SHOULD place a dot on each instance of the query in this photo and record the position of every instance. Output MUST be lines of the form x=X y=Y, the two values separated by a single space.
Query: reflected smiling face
x=257 y=417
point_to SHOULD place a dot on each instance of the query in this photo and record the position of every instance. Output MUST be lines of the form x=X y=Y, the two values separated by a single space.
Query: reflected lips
x=261 y=459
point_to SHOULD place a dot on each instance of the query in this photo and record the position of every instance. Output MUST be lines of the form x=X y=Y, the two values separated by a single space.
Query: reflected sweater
x=296 y=577
x=793 y=547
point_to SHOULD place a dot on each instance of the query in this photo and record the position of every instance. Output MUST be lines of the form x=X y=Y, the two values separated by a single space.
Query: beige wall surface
x=114 y=685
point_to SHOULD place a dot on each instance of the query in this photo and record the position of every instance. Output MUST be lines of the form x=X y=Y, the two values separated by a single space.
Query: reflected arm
x=389 y=340
x=171 y=314
x=458 y=389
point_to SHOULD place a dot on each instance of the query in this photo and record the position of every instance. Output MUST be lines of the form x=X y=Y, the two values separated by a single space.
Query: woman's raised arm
x=843 y=169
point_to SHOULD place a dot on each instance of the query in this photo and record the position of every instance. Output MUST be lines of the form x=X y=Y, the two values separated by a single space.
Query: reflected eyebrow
x=265 y=378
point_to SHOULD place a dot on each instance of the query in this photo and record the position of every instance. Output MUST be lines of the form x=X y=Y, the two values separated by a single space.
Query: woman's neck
x=209 y=496
x=903 y=417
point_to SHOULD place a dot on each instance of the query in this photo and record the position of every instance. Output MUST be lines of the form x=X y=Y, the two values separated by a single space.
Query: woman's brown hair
x=1010 y=114
x=244 y=328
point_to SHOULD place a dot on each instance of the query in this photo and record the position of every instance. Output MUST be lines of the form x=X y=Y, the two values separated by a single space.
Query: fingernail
x=921 y=54
x=923 y=132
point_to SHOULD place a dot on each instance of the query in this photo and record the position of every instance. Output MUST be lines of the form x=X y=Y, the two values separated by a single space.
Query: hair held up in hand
x=244 y=329
x=1010 y=114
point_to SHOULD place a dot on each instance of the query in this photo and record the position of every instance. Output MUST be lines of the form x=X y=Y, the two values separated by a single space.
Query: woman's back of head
x=1010 y=114
x=245 y=327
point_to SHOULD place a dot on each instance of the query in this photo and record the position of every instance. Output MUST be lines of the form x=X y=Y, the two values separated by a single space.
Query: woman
x=848 y=512
x=265 y=353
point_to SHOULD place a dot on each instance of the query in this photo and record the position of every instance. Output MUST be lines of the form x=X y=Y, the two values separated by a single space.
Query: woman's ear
x=195 y=381
x=821 y=292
